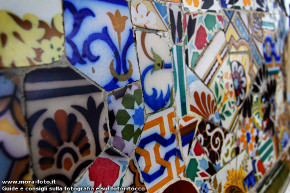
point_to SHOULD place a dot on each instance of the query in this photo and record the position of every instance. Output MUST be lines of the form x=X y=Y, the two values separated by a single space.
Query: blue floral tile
x=99 y=41
x=155 y=65
x=14 y=150
x=126 y=115
x=67 y=127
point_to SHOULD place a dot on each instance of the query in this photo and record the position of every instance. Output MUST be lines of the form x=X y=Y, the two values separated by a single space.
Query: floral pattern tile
x=175 y=17
x=99 y=41
x=155 y=62
x=222 y=86
x=14 y=152
x=107 y=170
x=126 y=115
x=151 y=95
x=200 y=29
x=157 y=155
x=66 y=123
x=230 y=177
x=149 y=15
x=34 y=34
x=240 y=68
x=201 y=99
x=201 y=6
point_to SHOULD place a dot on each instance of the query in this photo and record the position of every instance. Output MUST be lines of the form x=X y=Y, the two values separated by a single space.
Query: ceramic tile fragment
x=244 y=161
x=266 y=151
x=256 y=38
x=149 y=15
x=231 y=176
x=211 y=138
x=31 y=32
x=223 y=88
x=200 y=29
x=157 y=155
x=66 y=123
x=237 y=30
x=99 y=41
x=271 y=53
x=201 y=99
x=199 y=167
x=180 y=80
x=175 y=16
x=187 y=128
x=106 y=173
x=14 y=152
x=126 y=115
x=155 y=64
x=240 y=65
x=133 y=178
x=260 y=5
x=228 y=150
x=201 y=6
x=208 y=63
x=238 y=4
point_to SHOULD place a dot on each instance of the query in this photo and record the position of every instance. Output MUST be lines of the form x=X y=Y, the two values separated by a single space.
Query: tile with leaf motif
x=31 y=32
x=155 y=64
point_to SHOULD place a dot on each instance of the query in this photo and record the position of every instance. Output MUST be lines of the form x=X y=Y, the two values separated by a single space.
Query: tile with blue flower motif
x=149 y=15
x=14 y=150
x=155 y=65
x=99 y=41
x=126 y=117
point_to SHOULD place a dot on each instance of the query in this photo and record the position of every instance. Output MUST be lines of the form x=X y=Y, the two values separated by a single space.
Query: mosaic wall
x=142 y=96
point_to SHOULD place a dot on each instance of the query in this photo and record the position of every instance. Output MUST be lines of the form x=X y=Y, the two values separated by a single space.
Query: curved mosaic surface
x=142 y=96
